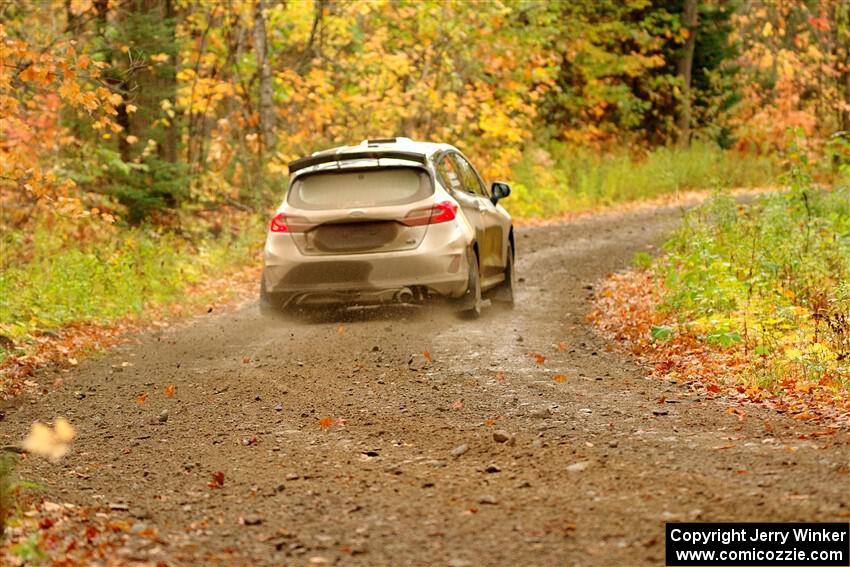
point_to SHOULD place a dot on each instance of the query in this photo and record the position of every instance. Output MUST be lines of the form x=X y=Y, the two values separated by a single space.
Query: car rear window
x=360 y=188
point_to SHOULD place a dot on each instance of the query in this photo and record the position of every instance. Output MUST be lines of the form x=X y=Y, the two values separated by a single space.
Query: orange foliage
x=625 y=311
x=36 y=84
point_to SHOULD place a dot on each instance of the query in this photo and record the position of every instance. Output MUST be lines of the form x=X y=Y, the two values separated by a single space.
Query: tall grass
x=54 y=278
x=560 y=179
x=773 y=275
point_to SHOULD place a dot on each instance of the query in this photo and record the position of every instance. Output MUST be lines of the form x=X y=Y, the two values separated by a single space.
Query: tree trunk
x=685 y=70
x=73 y=20
x=845 y=47
x=267 y=133
x=845 y=115
x=147 y=85
x=169 y=143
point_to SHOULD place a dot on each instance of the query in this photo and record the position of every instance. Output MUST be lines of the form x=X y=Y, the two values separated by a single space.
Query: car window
x=469 y=179
x=362 y=188
x=449 y=176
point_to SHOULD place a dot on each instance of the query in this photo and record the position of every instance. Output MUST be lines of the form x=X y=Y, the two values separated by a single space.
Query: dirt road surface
x=409 y=472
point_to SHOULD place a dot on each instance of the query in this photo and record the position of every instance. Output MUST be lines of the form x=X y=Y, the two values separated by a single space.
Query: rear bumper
x=437 y=264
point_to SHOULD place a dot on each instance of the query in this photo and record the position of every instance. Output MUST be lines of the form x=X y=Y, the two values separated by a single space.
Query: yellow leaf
x=131 y=108
x=27 y=74
x=51 y=443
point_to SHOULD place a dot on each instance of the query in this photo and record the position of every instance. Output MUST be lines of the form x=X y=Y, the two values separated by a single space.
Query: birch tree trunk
x=267 y=127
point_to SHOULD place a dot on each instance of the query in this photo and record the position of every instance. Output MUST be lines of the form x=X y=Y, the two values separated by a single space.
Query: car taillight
x=278 y=223
x=282 y=222
x=441 y=212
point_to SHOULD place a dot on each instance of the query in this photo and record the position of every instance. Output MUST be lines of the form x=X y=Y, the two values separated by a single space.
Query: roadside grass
x=96 y=273
x=773 y=277
x=750 y=298
x=559 y=179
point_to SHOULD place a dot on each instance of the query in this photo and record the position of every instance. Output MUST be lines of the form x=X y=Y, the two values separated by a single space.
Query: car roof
x=379 y=152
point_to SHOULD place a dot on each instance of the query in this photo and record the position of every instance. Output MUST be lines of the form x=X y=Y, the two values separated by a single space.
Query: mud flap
x=468 y=302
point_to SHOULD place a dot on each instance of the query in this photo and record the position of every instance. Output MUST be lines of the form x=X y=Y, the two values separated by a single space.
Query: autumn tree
x=141 y=108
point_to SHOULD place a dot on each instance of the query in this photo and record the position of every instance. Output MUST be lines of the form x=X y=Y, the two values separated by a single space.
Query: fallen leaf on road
x=427 y=356
x=817 y=434
x=91 y=533
x=217 y=480
x=457 y=404
x=559 y=378
x=562 y=346
x=46 y=523
x=727 y=446
x=141 y=399
x=326 y=422
x=736 y=412
x=169 y=391
x=341 y=329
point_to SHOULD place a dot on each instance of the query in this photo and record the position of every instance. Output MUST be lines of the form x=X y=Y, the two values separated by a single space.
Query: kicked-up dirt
x=341 y=442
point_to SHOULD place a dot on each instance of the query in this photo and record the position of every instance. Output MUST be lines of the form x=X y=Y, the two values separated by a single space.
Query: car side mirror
x=498 y=191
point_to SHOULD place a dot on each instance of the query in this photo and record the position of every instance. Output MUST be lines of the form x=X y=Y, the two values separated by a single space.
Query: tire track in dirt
x=594 y=467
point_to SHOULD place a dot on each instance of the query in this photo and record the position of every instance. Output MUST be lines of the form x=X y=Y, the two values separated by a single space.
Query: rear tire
x=472 y=300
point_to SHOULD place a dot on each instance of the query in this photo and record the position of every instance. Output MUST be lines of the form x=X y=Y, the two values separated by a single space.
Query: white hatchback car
x=389 y=220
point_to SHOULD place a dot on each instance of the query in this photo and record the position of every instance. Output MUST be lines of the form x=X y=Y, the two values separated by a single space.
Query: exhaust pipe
x=404 y=295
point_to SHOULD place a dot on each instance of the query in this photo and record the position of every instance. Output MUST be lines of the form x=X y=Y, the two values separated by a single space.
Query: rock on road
x=581 y=472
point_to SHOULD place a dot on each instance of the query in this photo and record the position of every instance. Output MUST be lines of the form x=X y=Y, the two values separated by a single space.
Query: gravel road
x=478 y=457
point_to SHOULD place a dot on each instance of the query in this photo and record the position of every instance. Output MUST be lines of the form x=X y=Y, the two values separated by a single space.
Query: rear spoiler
x=338 y=157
